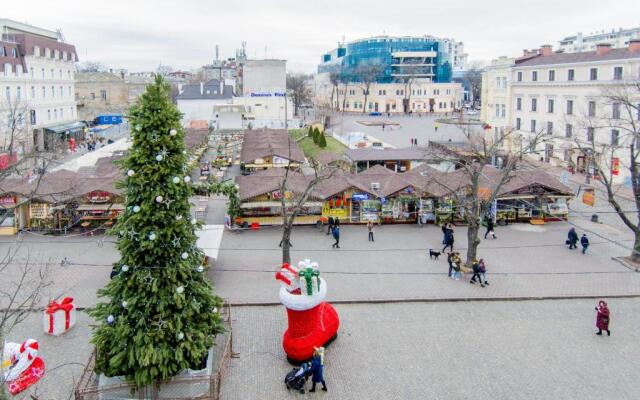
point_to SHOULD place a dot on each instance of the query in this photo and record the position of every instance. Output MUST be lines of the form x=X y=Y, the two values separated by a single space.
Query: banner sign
x=615 y=166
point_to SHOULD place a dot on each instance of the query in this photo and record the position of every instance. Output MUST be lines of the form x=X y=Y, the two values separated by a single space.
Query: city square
x=224 y=202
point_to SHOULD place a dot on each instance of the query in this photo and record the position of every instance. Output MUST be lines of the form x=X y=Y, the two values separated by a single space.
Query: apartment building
x=496 y=88
x=37 y=104
x=566 y=97
x=616 y=38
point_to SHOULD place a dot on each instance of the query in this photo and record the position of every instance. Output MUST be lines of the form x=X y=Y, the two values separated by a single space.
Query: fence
x=202 y=385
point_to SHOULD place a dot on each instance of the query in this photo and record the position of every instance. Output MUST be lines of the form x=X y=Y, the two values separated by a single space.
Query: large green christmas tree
x=159 y=315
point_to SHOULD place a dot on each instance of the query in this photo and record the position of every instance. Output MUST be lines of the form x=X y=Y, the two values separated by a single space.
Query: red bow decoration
x=66 y=305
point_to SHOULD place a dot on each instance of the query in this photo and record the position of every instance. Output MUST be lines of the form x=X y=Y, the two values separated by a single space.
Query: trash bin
x=594 y=217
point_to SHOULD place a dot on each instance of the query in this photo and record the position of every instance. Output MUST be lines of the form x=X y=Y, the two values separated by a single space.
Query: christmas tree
x=158 y=316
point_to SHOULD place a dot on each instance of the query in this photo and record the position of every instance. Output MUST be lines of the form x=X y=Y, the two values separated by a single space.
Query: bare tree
x=300 y=92
x=92 y=66
x=295 y=191
x=473 y=78
x=334 y=79
x=406 y=101
x=164 y=70
x=617 y=151
x=369 y=74
x=477 y=183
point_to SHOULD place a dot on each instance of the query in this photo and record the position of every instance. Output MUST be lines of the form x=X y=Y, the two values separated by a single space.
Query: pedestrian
x=456 y=266
x=602 y=318
x=317 y=369
x=490 y=228
x=330 y=227
x=483 y=271
x=436 y=126
x=450 y=261
x=572 y=238
x=584 y=241
x=370 y=229
x=476 y=273
x=448 y=238
x=382 y=126
x=336 y=236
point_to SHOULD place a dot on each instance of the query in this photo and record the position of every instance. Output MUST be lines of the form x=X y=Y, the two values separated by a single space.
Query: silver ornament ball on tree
x=173 y=132
x=176 y=179
x=131 y=172
x=110 y=319
x=159 y=199
x=136 y=209
x=184 y=255
x=180 y=289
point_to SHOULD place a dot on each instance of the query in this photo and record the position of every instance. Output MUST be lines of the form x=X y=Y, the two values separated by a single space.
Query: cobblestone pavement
x=478 y=350
x=525 y=261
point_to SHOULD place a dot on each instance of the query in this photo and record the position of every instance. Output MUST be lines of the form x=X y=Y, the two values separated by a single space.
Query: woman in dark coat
x=448 y=238
x=572 y=238
x=602 y=318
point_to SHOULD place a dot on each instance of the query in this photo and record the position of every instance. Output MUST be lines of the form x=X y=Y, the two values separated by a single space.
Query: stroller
x=297 y=377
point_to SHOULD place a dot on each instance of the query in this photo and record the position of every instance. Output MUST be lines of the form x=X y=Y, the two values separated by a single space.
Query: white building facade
x=565 y=98
x=37 y=88
x=616 y=38
x=496 y=89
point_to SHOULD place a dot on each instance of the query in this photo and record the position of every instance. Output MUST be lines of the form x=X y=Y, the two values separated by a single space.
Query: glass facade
x=431 y=61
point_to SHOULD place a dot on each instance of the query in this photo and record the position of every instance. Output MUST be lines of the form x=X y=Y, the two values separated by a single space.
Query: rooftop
x=581 y=57
x=209 y=90
x=260 y=143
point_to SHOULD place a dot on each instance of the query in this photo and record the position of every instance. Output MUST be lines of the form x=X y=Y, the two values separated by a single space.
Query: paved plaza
x=422 y=128
x=462 y=350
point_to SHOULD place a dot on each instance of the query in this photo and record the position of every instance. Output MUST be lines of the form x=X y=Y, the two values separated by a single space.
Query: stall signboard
x=98 y=197
x=276 y=194
x=360 y=196
x=557 y=208
x=8 y=200
x=588 y=197
x=615 y=166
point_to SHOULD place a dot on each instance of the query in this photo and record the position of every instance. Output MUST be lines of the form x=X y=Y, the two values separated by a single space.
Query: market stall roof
x=209 y=240
x=62 y=128
x=261 y=143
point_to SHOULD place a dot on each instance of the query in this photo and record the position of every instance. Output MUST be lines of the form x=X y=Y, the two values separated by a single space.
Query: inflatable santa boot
x=312 y=321
x=21 y=365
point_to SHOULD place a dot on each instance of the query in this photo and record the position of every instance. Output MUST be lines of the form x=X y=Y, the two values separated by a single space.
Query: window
x=569 y=107
x=14 y=52
x=44 y=92
x=504 y=110
x=590 y=134
x=592 y=108
x=549 y=128
x=550 y=105
x=52 y=75
x=552 y=75
x=61 y=113
x=518 y=123
x=615 y=137
x=53 y=91
x=61 y=91
x=60 y=74
x=55 y=114
x=533 y=126
x=519 y=103
x=47 y=53
x=68 y=74
x=617 y=73
x=615 y=111
x=534 y=104
x=534 y=76
x=103 y=95
x=7 y=69
x=31 y=73
x=593 y=74
x=571 y=74
x=3 y=52
x=568 y=130
x=69 y=91
x=7 y=93
x=36 y=51
x=49 y=115
x=19 y=93
x=519 y=76
x=42 y=73
x=33 y=92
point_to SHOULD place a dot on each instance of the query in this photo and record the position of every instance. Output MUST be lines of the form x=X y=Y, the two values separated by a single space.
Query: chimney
x=634 y=45
x=201 y=88
x=546 y=50
x=603 y=48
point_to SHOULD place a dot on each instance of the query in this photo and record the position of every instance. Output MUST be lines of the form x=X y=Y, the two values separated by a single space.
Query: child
x=317 y=367
x=584 y=241
x=370 y=229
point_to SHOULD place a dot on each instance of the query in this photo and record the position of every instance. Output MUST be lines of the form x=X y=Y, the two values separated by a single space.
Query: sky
x=141 y=34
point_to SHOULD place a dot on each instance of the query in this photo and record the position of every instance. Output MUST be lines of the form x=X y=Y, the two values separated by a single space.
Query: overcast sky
x=140 y=34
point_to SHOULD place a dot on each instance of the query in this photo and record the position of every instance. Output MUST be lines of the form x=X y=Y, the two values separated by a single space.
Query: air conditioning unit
x=375 y=186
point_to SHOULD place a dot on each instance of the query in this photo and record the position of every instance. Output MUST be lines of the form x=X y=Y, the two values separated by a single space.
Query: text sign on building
x=267 y=94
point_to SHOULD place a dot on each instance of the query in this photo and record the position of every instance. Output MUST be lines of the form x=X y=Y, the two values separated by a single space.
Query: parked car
x=375 y=114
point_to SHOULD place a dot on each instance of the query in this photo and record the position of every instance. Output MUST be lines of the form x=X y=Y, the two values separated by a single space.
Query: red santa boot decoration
x=312 y=321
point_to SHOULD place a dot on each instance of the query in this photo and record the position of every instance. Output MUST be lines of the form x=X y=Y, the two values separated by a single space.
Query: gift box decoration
x=59 y=317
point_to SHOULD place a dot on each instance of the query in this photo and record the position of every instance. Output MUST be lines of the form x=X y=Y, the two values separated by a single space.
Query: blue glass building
x=397 y=58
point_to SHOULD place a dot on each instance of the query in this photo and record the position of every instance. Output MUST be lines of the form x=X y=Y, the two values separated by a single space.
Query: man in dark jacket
x=336 y=236
x=330 y=227
x=572 y=239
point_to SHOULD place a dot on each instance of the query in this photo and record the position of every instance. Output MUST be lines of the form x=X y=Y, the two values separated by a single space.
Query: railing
x=88 y=387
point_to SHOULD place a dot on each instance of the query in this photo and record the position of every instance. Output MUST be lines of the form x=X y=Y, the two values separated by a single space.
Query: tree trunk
x=286 y=242
x=473 y=240
x=635 y=253
x=364 y=106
